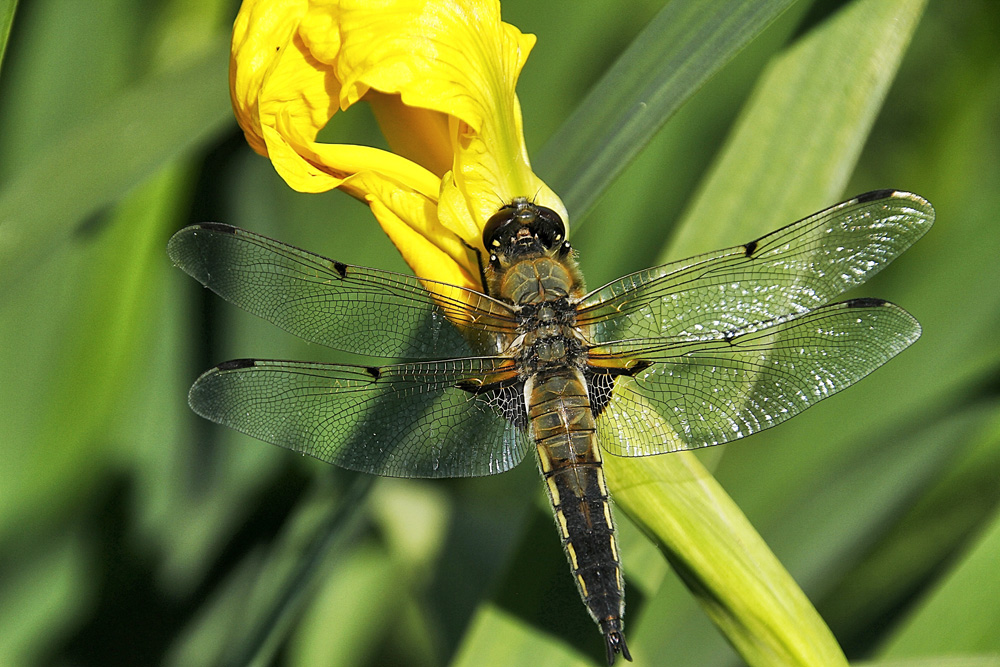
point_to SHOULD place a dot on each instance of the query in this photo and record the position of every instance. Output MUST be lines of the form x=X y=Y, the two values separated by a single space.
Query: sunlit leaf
x=687 y=42
x=168 y=116
x=7 y=9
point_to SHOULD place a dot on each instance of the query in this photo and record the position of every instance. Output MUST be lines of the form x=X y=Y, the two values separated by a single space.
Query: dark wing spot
x=374 y=371
x=637 y=368
x=340 y=268
x=599 y=388
x=865 y=302
x=218 y=227
x=750 y=248
x=601 y=382
x=505 y=396
x=236 y=364
x=875 y=195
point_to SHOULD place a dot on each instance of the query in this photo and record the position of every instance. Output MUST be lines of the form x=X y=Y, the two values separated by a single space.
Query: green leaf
x=808 y=155
x=79 y=352
x=163 y=118
x=718 y=554
x=795 y=145
x=946 y=661
x=304 y=562
x=372 y=580
x=7 y=10
x=498 y=638
x=958 y=616
x=943 y=474
x=683 y=47
x=43 y=596
x=903 y=406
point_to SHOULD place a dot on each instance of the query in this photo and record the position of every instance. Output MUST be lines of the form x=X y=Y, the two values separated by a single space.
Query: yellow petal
x=426 y=258
x=261 y=33
x=460 y=60
x=441 y=79
x=420 y=135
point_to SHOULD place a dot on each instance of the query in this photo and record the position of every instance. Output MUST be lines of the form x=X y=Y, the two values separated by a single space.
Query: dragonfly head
x=522 y=229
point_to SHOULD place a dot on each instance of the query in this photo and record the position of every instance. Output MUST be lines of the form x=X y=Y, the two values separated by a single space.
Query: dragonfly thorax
x=550 y=338
x=550 y=349
x=536 y=280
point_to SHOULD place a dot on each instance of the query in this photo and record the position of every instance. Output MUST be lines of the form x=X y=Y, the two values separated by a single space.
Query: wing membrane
x=405 y=420
x=351 y=308
x=702 y=392
x=790 y=271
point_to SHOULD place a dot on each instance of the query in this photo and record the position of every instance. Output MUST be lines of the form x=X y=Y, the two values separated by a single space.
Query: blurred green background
x=132 y=532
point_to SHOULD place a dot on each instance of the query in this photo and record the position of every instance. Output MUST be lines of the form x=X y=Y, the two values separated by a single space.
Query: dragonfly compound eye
x=522 y=227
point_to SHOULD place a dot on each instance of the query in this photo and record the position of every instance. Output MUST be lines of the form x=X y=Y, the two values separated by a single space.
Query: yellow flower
x=440 y=76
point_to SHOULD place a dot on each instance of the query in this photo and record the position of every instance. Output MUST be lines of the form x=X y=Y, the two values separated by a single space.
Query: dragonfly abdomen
x=569 y=458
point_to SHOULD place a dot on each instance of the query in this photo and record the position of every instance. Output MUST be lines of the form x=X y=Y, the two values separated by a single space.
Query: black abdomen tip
x=614 y=639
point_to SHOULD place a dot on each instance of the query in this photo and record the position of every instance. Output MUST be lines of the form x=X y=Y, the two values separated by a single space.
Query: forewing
x=793 y=270
x=700 y=392
x=349 y=308
x=405 y=420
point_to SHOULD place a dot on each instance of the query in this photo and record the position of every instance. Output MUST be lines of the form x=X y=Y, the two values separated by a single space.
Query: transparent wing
x=790 y=271
x=350 y=308
x=406 y=420
x=702 y=392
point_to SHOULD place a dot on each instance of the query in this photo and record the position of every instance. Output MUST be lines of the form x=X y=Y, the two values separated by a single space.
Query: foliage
x=132 y=533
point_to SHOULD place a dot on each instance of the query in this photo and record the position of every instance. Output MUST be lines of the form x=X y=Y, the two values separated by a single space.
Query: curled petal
x=439 y=260
x=460 y=60
x=440 y=77
x=420 y=135
x=262 y=33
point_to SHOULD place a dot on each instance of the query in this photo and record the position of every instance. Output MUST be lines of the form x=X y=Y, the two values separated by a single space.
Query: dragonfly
x=690 y=354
